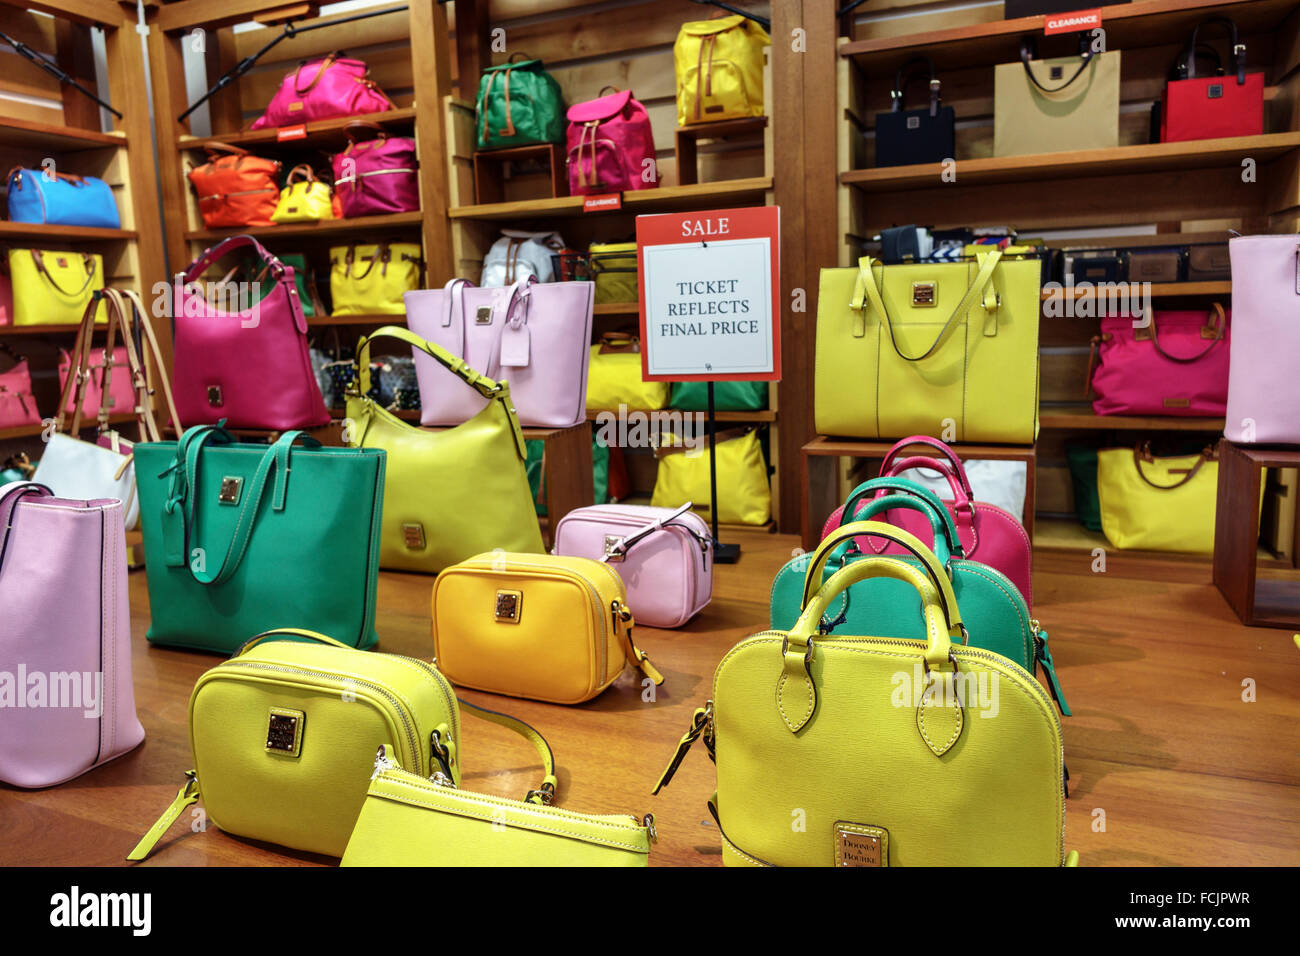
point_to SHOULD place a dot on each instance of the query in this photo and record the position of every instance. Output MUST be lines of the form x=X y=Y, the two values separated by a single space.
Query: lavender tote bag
x=536 y=336
x=66 y=701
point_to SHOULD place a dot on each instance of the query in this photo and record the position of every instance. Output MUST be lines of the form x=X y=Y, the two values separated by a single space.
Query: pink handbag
x=536 y=336
x=1177 y=365
x=373 y=177
x=323 y=89
x=6 y=301
x=251 y=366
x=988 y=533
x=121 y=392
x=663 y=555
x=17 y=403
x=610 y=146
x=63 y=590
x=1263 y=390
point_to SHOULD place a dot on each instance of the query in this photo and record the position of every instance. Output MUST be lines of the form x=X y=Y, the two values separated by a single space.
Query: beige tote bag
x=1049 y=106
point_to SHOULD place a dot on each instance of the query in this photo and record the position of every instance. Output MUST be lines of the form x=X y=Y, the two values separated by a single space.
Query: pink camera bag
x=1177 y=365
x=323 y=89
x=610 y=146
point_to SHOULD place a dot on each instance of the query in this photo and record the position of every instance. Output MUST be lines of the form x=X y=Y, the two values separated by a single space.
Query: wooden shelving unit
x=743 y=192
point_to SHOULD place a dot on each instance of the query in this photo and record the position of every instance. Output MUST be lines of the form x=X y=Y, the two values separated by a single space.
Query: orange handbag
x=236 y=188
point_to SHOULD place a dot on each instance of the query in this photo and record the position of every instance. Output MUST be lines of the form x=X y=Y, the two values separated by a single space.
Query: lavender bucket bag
x=66 y=700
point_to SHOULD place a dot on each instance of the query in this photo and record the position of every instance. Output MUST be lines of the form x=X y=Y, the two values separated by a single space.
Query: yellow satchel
x=304 y=198
x=929 y=348
x=54 y=288
x=614 y=377
x=719 y=67
x=744 y=494
x=863 y=751
x=371 y=279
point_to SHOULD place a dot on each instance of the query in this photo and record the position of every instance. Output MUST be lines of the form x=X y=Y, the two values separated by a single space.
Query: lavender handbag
x=663 y=555
x=66 y=700
x=1263 y=391
x=536 y=336
x=374 y=177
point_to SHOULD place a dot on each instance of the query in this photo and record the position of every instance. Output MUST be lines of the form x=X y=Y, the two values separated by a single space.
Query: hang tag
x=515 y=344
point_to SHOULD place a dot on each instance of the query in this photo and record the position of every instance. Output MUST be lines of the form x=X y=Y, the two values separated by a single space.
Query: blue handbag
x=61 y=199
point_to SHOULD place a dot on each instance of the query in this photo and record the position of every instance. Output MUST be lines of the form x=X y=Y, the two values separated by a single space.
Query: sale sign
x=710 y=288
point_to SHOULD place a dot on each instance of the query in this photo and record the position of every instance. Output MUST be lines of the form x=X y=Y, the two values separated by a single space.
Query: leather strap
x=325 y=64
x=88 y=262
x=1028 y=49
x=623 y=545
x=958 y=469
x=889 y=483
x=946 y=543
x=545 y=793
x=149 y=340
x=1216 y=320
x=638 y=658
x=275 y=632
x=187 y=796
x=1142 y=452
x=224 y=248
x=1236 y=58
x=10 y=495
x=905 y=75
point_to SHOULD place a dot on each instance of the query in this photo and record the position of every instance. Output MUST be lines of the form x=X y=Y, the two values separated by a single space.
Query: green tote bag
x=244 y=538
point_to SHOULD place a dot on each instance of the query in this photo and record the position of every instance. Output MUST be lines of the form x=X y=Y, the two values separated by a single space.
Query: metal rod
x=763 y=22
x=52 y=68
x=713 y=468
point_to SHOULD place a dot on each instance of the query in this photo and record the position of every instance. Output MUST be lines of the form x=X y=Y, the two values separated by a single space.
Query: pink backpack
x=609 y=143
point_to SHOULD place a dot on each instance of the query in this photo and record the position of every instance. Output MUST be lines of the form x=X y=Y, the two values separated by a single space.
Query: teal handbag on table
x=727 y=396
x=994 y=613
x=245 y=538
x=537 y=472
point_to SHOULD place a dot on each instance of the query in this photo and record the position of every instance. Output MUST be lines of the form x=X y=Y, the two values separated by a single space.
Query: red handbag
x=237 y=188
x=1217 y=106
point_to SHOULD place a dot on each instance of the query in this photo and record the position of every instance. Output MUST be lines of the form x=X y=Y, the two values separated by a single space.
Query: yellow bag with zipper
x=54 y=288
x=614 y=376
x=614 y=270
x=304 y=198
x=719 y=67
x=371 y=279
x=744 y=493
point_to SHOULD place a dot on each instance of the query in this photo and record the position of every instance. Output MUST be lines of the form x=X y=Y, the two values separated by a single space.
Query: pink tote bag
x=65 y=636
x=1177 y=365
x=120 y=387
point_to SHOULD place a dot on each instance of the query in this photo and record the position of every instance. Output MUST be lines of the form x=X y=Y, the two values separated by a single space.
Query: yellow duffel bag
x=614 y=270
x=54 y=288
x=614 y=377
x=744 y=494
x=371 y=279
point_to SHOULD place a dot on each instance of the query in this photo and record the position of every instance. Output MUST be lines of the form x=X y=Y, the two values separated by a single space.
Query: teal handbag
x=599 y=472
x=994 y=613
x=727 y=396
x=245 y=538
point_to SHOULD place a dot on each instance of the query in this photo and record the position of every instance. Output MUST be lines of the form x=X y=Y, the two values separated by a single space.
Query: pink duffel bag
x=534 y=335
x=989 y=534
x=66 y=629
x=374 y=177
x=323 y=89
x=1176 y=365
x=663 y=555
x=610 y=146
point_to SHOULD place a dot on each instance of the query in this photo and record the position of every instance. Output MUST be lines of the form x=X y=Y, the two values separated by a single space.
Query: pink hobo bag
x=323 y=89
x=1177 y=365
x=374 y=177
x=663 y=556
x=988 y=533
x=1263 y=389
x=536 y=336
x=63 y=589
x=609 y=142
x=249 y=366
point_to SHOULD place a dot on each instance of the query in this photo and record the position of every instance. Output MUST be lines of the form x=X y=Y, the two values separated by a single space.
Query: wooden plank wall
x=26 y=91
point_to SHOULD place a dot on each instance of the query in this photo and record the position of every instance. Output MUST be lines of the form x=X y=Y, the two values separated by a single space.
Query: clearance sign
x=1076 y=22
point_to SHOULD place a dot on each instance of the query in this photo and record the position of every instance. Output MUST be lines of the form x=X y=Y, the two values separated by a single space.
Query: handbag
x=120 y=393
x=1082 y=460
x=926 y=135
x=996 y=615
x=247 y=366
x=61 y=199
x=304 y=198
x=613 y=268
x=988 y=534
x=391 y=269
x=17 y=401
x=745 y=496
x=663 y=555
x=6 y=295
x=535 y=335
x=1175 y=365
x=1210 y=262
x=1263 y=391
x=1156 y=265
x=880 y=742
x=376 y=177
x=235 y=188
x=1060 y=104
x=239 y=538
x=560 y=630
x=64 y=592
x=1093 y=265
x=614 y=376
x=499 y=118
x=323 y=89
x=54 y=288
x=284 y=733
x=923 y=342
x=727 y=396
x=719 y=67
x=610 y=146
x=1215 y=106
x=518 y=255
x=482 y=500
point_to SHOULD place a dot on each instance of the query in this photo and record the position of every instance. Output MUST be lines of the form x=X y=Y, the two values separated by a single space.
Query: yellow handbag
x=371 y=279
x=448 y=493
x=285 y=732
x=929 y=348
x=304 y=198
x=864 y=751
x=719 y=67
x=614 y=271
x=539 y=626
x=54 y=288
x=614 y=377
x=744 y=494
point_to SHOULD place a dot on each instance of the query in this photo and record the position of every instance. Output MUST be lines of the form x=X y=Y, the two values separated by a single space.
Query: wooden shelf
x=327 y=227
x=321 y=133
x=324 y=321
x=1160 y=289
x=27 y=134
x=664 y=199
x=43 y=233
x=31 y=431
x=761 y=416
x=7 y=330
x=1083 y=418
x=1054 y=533
x=617 y=308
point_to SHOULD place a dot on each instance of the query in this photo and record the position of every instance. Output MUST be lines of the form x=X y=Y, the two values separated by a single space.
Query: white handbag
x=73 y=468
x=518 y=255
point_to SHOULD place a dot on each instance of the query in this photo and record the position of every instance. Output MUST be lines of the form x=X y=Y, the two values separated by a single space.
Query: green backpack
x=727 y=396
x=519 y=104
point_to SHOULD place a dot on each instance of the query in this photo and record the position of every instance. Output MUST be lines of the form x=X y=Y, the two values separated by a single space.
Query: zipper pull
x=1043 y=656
x=701 y=724
x=188 y=795
x=382 y=762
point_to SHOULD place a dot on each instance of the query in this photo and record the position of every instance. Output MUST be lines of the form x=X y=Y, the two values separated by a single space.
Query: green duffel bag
x=599 y=470
x=519 y=104
x=727 y=396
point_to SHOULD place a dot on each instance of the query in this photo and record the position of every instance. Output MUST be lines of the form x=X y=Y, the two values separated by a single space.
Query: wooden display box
x=688 y=139
x=496 y=176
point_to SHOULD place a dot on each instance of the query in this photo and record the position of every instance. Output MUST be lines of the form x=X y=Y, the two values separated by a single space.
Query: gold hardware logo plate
x=483 y=316
x=413 y=535
x=509 y=606
x=230 y=490
x=214 y=396
x=925 y=295
x=611 y=545
x=284 y=731
x=857 y=844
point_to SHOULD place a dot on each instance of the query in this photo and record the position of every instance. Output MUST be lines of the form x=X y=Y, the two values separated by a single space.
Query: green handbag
x=995 y=613
x=599 y=471
x=1083 y=475
x=243 y=538
x=303 y=279
x=519 y=104
x=727 y=396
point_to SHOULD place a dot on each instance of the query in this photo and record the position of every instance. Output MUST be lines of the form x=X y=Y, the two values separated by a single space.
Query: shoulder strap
x=1028 y=51
x=545 y=793
x=10 y=495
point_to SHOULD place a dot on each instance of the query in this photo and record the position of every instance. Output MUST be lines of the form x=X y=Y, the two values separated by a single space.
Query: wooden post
x=473 y=45
x=431 y=72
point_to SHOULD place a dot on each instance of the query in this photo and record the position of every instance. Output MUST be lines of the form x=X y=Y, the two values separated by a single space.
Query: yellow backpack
x=719 y=66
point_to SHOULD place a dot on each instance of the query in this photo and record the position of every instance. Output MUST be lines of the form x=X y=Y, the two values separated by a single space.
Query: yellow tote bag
x=614 y=270
x=744 y=495
x=614 y=377
x=371 y=279
x=304 y=198
x=719 y=67
x=54 y=288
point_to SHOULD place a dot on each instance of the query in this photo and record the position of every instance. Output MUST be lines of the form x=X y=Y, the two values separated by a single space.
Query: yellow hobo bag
x=54 y=288
x=719 y=67
x=371 y=279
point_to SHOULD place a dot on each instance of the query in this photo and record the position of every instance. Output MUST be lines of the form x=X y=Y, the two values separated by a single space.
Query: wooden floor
x=1168 y=764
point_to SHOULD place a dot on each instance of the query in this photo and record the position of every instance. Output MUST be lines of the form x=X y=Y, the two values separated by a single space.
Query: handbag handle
x=275 y=632
x=1236 y=59
x=943 y=448
x=87 y=261
x=215 y=149
x=925 y=501
x=1029 y=49
x=10 y=495
x=1216 y=320
x=79 y=362
x=905 y=75
x=325 y=64
x=302 y=172
x=1142 y=452
x=143 y=378
x=224 y=248
x=381 y=254
x=486 y=387
x=617 y=343
x=357 y=126
x=867 y=293
x=545 y=793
